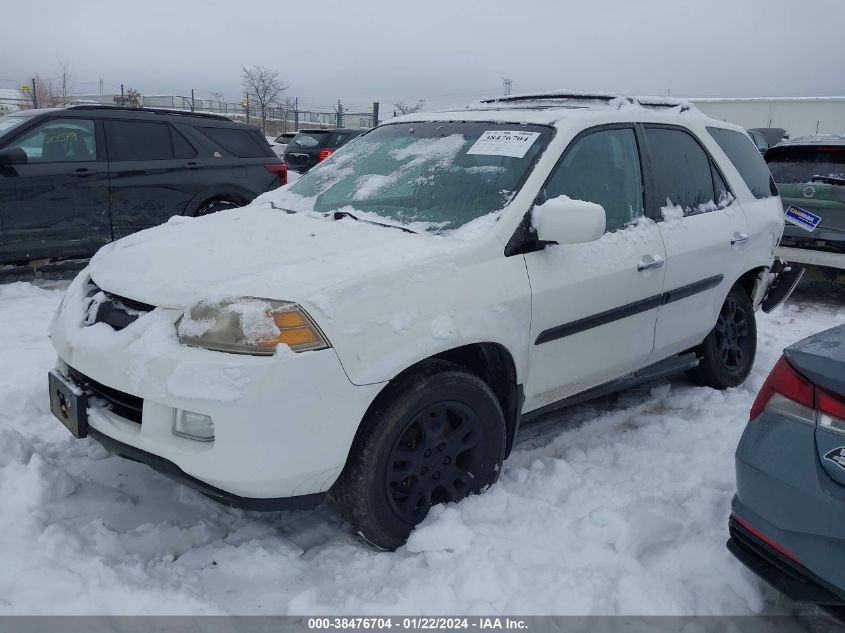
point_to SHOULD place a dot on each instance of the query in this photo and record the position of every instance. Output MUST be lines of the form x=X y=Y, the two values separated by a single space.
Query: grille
x=123 y=404
x=117 y=312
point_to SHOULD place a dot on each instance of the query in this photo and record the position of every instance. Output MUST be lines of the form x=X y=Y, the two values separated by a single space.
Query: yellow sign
x=26 y=88
x=245 y=101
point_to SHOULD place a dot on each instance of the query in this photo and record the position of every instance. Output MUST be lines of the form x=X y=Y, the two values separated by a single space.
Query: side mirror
x=12 y=156
x=563 y=220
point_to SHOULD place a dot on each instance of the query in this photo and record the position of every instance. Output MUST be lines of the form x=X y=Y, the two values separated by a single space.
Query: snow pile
x=618 y=506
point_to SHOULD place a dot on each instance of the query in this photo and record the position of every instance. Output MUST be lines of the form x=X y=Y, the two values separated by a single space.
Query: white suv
x=379 y=329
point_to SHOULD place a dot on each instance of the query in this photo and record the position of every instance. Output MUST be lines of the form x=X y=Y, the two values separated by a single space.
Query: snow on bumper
x=283 y=425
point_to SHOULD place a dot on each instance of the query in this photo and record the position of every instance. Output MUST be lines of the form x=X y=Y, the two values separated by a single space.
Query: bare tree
x=130 y=99
x=407 y=108
x=216 y=96
x=264 y=88
x=65 y=80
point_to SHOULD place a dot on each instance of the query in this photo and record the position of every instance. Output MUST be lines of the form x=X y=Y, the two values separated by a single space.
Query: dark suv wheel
x=213 y=206
x=436 y=436
x=727 y=354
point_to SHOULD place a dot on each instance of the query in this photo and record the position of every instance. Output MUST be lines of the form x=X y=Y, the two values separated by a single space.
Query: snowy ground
x=619 y=506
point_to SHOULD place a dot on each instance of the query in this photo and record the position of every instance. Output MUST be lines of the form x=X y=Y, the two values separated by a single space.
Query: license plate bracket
x=69 y=404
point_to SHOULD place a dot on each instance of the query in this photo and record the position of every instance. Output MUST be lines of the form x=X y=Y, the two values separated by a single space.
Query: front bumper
x=283 y=425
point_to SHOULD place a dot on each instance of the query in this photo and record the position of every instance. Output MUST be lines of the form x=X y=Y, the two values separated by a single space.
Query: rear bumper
x=811 y=257
x=786 y=575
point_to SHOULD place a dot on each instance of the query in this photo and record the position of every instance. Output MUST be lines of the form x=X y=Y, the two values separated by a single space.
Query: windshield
x=440 y=174
x=9 y=122
x=799 y=165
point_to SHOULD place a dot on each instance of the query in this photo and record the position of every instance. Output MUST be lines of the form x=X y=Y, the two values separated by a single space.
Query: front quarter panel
x=381 y=326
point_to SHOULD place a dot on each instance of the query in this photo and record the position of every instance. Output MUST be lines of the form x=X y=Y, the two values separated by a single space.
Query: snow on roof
x=815 y=139
x=761 y=99
x=545 y=108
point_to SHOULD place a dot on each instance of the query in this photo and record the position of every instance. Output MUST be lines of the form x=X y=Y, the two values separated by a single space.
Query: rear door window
x=138 y=140
x=60 y=141
x=746 y=158
x=182 y=148
x=602 y=167
x=238 y=142
x=681 y=170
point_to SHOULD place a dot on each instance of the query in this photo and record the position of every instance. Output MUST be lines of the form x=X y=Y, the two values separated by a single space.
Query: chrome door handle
x=739 y=238
x=650 y=261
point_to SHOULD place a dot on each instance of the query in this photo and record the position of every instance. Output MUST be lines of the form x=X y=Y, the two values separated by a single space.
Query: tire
x=413 y=430
x=727 y=354
x=213 y=206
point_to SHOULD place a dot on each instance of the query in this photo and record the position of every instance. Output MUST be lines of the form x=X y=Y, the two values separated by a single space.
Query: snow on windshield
x=428 y=176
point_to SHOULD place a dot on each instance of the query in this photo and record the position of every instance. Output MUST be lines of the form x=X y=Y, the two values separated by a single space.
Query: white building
x=799 y=116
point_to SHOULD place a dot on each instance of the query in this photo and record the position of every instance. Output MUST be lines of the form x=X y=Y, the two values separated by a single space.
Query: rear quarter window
x=746 y=158
x=238 y=142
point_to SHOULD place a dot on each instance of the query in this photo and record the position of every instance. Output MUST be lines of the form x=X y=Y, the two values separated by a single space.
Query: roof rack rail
x=557 y=94
x=207 y=115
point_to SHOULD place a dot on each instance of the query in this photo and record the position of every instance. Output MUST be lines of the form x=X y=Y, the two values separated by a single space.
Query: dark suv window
x=681 y=170
x=238 y=142
x=182 y=148
x=747 y=160
x=603 y=167
x=309 y=139
x=60 y=141
x=794 y=164
x=139 y=140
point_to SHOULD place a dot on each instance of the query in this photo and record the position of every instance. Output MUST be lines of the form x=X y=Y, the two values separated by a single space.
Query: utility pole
x=375 y=113
x=101 y=85
x=192 y=99
x=508 y=85
x=122 y=98
x=339 y=114
x=34 y=94
x=296 y=114
x=246 y=107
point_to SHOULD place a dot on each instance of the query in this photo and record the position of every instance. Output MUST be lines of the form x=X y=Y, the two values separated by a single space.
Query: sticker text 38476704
x=512 y=143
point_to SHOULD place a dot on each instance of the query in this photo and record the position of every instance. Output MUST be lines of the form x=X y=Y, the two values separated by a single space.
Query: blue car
x=788 y=516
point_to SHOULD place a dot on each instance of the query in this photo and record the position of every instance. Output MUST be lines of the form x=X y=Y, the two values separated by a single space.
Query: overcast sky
x=447 y=52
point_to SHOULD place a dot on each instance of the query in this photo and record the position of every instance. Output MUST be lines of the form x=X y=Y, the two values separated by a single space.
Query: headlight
x=249 y=326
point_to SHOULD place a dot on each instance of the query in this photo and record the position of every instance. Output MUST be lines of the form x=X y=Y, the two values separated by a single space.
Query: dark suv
x=309 y=147
x=74 y=179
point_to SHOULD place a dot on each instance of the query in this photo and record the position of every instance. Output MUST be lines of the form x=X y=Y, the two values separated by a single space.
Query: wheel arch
x=491 y=362
x=752 y=282
x=234 y=194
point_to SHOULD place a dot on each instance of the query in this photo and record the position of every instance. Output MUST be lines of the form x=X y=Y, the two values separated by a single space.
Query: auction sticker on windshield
x=504 y=143
x=803 y=218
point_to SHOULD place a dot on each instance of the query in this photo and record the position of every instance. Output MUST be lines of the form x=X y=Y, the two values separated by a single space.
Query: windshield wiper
x=828 y=180
x=288 y=211
x=339 y=215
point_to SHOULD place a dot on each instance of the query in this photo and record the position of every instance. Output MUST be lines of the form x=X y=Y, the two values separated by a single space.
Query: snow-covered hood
x=256 y=251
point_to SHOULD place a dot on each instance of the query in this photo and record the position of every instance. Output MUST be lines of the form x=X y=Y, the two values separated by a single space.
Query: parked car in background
x=381 y=328
x=74 y=179
x=810 y=176
x=759 y=141
x=280 y=143
x=310 y=147
x=789 y=508
x=772 y=135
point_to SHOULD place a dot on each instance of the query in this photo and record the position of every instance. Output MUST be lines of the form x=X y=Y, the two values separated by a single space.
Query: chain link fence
x=279 y=118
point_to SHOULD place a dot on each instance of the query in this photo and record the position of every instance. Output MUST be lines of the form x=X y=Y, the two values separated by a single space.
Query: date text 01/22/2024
x=418 y=623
